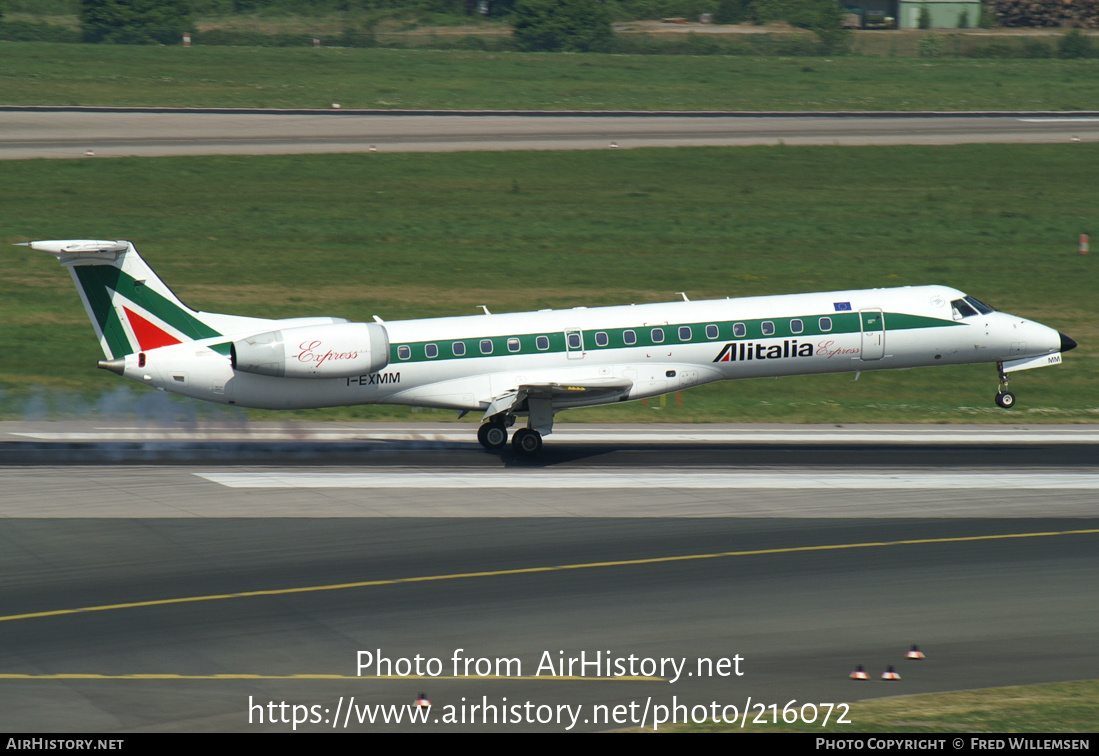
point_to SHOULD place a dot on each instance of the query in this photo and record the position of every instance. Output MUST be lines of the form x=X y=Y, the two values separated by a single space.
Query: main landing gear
x=493 y=435
x=527 y=442
x=1004 y=398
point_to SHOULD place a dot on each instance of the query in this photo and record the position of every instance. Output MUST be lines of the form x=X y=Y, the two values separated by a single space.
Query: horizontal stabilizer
x=75 y=248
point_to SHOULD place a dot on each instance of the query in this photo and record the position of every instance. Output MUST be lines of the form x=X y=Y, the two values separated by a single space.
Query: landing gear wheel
x=526 y=442
x=1005 y=399
x=492 y=436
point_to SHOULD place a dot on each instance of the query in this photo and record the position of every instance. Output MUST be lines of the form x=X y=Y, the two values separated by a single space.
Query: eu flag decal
x=842 y=306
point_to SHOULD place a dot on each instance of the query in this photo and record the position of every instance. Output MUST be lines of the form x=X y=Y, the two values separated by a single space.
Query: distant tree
x=731 y=11
x=923 y=21
x=135 y=22
x=562 y=25
x=1082 y=14
x=986 y=19
x=930 y=46
x=823 y=17
x=826 y=21
x=1074 y=45
x=501 y=7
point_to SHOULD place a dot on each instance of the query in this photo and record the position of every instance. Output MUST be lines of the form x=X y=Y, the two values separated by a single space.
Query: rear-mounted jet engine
x=334 y=351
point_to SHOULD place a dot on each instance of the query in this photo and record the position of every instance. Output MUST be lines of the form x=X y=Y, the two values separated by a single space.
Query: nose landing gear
x=1004 y=398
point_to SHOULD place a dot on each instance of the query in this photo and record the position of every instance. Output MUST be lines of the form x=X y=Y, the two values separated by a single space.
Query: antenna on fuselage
x=684 y=295
x=485 y=308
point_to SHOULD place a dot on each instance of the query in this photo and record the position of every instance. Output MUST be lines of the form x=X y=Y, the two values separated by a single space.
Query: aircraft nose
x=1066 y=343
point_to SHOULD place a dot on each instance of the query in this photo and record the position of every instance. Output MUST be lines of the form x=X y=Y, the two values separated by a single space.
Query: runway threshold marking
x=533 y=570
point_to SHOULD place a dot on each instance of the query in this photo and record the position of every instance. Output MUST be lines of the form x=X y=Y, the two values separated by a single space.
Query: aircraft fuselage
x=462 y=363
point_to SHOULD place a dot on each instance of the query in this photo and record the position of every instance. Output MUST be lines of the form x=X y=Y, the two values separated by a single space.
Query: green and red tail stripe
x=131 y=308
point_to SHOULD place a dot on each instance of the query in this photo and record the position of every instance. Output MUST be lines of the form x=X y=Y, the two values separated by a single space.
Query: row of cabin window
x=739 y=331
x=629 y=338
x=458 y=348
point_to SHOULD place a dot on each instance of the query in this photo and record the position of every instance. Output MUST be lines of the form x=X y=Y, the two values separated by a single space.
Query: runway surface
x=160 y=594
x=115 y=134
x=438 y=470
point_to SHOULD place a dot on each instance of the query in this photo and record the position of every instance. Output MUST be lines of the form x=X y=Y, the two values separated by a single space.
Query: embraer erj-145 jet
x=530 y=364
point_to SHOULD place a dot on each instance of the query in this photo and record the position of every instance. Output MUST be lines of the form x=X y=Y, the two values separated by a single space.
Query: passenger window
x=459 y=348
x=768 y=328
x=629 y=338
x=513 y=345
x=432 y=351
x=486 y=346
x=574 y=341
x=658 y=335
x=404 y=352
x=825 y=325
x=711 y=331
x=739 y=330
x=796 y=326
x=542 y=342
x=601 y=339
x=684 y=333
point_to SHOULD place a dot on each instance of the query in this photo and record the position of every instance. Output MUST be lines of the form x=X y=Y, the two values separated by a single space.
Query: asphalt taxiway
x=155 y=593
x=147 y=132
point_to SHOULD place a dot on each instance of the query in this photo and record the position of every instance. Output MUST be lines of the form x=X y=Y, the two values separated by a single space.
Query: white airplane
x=530 y=364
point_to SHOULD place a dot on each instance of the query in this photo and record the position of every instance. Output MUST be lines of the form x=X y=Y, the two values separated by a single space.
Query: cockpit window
x=962 y=309
x=981 y=306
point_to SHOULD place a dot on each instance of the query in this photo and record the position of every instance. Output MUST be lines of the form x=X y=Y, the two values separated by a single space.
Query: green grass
x=1053 y=708
x=60 y=74
x=415 y=235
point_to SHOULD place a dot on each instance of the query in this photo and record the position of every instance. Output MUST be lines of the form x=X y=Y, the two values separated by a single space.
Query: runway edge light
x=915 y=653
x=890 y=674
x=859 y=673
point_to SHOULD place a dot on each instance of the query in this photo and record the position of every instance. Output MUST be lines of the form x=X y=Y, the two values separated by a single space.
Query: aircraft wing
x=560 y=395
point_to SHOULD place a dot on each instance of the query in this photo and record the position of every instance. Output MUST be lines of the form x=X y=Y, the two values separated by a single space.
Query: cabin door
x=873 y=334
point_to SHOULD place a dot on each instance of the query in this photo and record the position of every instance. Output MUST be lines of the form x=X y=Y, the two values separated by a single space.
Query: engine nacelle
x=327 y=351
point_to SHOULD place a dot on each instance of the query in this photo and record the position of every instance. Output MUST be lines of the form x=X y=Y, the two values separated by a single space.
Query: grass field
x=59 y=74
x=421 y=235
x=1054 y=708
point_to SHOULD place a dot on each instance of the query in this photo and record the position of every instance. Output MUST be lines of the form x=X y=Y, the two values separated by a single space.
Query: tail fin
x=131 y=309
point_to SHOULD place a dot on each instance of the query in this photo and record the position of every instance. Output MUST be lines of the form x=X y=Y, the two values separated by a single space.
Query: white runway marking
x=631 y=478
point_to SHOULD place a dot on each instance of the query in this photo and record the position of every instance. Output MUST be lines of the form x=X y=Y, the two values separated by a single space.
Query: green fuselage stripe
x=842 y=323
